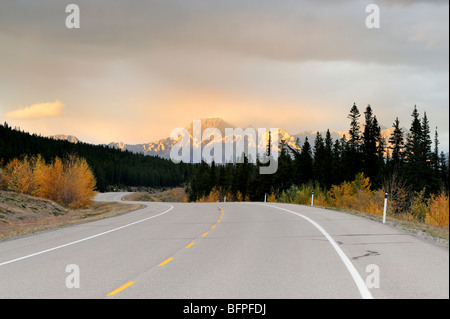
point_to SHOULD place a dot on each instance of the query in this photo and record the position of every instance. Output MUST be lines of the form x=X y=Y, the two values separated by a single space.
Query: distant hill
x=111 y=167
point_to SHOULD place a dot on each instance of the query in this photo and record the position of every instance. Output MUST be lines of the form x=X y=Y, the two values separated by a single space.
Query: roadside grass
x=406 y=222
x=23 y=214
x=171 y=195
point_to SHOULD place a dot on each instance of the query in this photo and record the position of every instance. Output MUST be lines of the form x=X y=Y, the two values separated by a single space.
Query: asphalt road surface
x=224 y=250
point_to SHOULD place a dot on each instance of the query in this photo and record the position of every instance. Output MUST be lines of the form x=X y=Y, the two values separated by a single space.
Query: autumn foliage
x=357 y=195
x=438 y=211
x=69 y=182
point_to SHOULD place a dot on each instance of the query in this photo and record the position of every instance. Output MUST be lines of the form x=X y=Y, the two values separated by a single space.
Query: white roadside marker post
x=385 y=207
x=265 y=197
x=312 y=199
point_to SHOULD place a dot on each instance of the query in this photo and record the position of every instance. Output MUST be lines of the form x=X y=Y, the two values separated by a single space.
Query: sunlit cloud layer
x=40 y=110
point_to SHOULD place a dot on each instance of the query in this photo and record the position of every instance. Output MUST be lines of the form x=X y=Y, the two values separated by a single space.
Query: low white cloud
x=39 y=110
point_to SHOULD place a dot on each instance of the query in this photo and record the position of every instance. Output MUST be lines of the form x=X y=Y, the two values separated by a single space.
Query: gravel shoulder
x=23 y=214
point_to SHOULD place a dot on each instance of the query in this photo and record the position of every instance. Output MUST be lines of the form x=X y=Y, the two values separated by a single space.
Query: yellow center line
x=112 y=293
x=166 y=261
x=121 y=288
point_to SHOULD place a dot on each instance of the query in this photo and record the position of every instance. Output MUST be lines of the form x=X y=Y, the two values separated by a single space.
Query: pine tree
x=418 y=170
x=430 y=179
x=319 y=159
x=328 y=160
x=222 y=182
x=413 y=151
x=337 y=171
x=426 y=140
x=353 y=153
x=435 y=155
x=381 y=152
x=397 y=145
x=444 y=171
x=354 y=131
x=200 y=184
x=240 y=177
x=371 y=140
x=304 y=164
x=283 y=176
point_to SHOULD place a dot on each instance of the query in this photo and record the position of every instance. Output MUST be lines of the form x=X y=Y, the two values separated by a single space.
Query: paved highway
x=224 y=250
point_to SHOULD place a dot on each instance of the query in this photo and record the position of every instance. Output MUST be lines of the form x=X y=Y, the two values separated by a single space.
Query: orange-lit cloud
x=40 y=110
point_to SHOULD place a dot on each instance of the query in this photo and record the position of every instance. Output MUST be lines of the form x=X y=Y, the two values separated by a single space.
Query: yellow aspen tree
x=51 y=181
x=39 y=172
x=239 y=196
x=438 y=214
x=213 y=195
x=77 y=187
x=20 y=176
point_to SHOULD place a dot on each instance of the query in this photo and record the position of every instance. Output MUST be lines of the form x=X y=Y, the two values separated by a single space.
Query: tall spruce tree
x=283 y=177
x=444 y=171
x=396 y=146
x=413 y=149
x=418 y=169
x=304 y=164
x=381 y=155
x=426 y=140
x=337 y=172
x=353 y=153
x=319 y=158
x=371 y=140
x=435 y=155
x=429 y=176
x=328 y=160
x=355 y=130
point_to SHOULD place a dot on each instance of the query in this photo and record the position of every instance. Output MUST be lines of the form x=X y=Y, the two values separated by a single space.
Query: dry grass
x=406 y=222
x=23 y=214
x=171 y=195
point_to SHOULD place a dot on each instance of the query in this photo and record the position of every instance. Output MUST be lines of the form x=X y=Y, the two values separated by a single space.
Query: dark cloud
x=276 y=30
x=257 y=49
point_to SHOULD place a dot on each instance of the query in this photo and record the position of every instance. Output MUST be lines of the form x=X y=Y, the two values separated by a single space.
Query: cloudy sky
x=135 y=70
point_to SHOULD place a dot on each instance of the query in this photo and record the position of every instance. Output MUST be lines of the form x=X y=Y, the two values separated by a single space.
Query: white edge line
x=363 y=290
x=87 y=238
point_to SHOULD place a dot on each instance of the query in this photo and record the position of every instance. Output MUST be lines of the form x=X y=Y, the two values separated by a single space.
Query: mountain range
x=162 y=147
x=63 y=137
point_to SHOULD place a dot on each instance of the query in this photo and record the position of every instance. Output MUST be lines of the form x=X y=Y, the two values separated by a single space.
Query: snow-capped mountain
x=69 y=138
x=163 y=147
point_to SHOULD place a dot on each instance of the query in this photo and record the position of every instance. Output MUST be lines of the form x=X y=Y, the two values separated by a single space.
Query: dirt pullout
x=23 y=214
